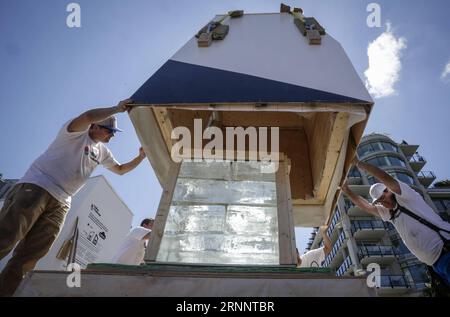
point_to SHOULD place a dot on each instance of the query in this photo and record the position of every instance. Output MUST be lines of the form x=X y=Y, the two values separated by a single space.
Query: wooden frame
x=286 y=232
x=162 y=213
x=311 y=135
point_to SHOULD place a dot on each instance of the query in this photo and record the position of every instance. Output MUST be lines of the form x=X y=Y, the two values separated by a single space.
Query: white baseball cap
x=376 y=190
x=110 y=123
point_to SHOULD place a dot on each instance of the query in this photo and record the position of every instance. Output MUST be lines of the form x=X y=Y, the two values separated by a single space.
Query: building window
x=395 y=161
x=403 y=177
x=365 y=149
x=383 y=161
x=375 y=147
x=372 y=180
x=378 y=161
x=354 y=172
x=418 y=273
x=442 y=204
x=389 y=147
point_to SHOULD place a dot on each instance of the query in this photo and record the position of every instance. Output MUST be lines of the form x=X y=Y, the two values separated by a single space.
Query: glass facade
x=393 y=281
x=418 y=273
x=378 y=250
x=334 y=222
x=405 y=178
x=366 y=224
x=386 y=160
x=401 y=176
x=354 y=172
x=335 y=249
x=376 y=146
x=346 y=264
x=442 y=204
x=222 y=213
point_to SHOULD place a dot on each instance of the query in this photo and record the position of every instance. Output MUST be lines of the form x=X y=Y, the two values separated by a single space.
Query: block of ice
x=225 y=192
x=222 y=213
x=251 y=220
x=206 y=170
x=195 y=218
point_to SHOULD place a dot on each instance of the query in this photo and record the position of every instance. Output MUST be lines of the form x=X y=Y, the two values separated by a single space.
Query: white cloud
x=384 y=63
x=446 y=71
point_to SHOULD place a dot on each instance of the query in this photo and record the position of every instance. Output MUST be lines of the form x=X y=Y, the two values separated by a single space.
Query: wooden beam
x=338 y=133
x=162 y=213
x=165 y=126
x=261 y=119
x=318 y=131
x=286 y=232
x=294 y=144
x=149 y=134
x=313 y=107
x=336 y=140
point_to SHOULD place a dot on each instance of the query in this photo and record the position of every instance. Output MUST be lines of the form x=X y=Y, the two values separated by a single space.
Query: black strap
x=422 y=221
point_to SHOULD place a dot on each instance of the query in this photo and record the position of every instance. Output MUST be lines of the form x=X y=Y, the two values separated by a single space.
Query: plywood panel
x=336 y=139
x=185 y=118
x=295 y=146
x=165 y=125
x=318 y=131
x=262 y=119
x=149 y=134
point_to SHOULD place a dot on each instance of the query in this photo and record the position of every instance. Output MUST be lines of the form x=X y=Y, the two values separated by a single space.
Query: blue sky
x=50 y=73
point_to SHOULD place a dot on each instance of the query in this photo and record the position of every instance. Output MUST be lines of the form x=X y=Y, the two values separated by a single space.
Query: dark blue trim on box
x=177 y=82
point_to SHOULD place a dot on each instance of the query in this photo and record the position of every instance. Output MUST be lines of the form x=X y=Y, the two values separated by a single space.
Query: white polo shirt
x=313 y=258
x=422 y=241
x=67 y=164
x=132 y=250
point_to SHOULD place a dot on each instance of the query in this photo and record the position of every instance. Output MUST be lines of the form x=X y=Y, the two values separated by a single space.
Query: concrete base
x=119 y=282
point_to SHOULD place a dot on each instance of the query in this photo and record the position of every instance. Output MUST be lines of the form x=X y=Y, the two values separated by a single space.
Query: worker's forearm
x=374 y=171
x=127 y=167
x=99 y=114
x=357 y=200
x=327 y=243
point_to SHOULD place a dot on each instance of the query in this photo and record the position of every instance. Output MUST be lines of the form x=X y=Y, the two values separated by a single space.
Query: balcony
x=381 y=254
x=408 y=149
x=360 y=189
x=426 y=178
x=417 y=162
x=354 y=177
x=368 y=229
x=393 y=285
x=354 y=180
x=403 y=257
x=353 y=210
x=312 y=238
x=346 y=267
x=335 y=256
x=334 y=221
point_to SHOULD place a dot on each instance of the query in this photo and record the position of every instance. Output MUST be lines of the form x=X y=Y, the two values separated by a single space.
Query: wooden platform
x=194 y=281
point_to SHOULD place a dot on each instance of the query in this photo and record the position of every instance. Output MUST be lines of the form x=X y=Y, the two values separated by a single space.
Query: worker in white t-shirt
x=132 y=250
x=393 y=201
x=35 y=208
x=314 y=258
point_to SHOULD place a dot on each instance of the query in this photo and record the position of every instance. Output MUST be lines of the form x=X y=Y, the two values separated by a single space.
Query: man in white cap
x=35 y=208
x=132 y=250
x=422 y=230
x=315 y=258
